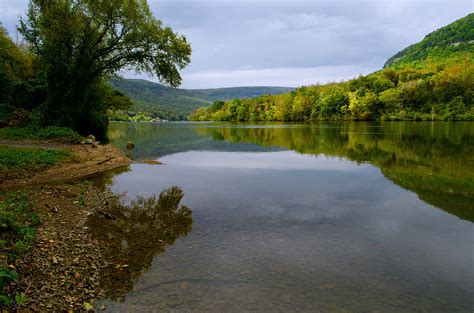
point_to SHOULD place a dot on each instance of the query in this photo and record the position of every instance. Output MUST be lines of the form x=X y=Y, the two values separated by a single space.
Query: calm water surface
x=347 y=217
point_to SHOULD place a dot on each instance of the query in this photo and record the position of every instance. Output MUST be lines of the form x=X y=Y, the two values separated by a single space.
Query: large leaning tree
x=80 y=43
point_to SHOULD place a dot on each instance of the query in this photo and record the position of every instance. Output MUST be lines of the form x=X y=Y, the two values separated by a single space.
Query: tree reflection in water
x=134 y=234
x=433 y=160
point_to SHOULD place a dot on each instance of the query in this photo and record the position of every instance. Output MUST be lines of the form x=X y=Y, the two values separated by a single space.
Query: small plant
x=22 y=245
x=34 y=218
x=21 y=299
x=5 y=300
x=82 y=200
x=6 y=276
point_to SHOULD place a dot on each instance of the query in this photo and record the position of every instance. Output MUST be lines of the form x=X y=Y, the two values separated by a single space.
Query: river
x=303 y=217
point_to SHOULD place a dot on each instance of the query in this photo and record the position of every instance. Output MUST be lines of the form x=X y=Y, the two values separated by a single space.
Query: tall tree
x=80 y=42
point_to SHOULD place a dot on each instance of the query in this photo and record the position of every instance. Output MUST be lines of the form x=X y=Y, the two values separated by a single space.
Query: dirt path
x=85 y=160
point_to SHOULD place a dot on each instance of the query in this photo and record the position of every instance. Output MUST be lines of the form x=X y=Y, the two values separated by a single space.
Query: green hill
x=175 y=103
x=454 y=38
x=431 y=80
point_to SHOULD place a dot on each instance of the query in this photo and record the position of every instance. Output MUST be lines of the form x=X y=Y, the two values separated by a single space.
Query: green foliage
x=21 y=299
x=11 y=158
x=332 y=102
x=431 y=93
x=453 y=38
x=18 y=88
x=7 y=276
x=74 y=46
x=159 y=101
x=14 y=66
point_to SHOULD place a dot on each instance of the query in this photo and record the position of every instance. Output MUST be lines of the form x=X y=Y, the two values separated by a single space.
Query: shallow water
x=331 y=217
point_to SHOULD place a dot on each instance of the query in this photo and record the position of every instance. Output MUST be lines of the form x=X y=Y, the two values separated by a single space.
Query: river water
x=323 y=217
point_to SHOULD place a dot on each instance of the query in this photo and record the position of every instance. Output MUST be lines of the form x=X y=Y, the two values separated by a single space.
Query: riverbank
x=48 y=258
x=83 y=160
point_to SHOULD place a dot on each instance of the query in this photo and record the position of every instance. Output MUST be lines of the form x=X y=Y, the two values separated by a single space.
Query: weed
x=82 y=200
x=6 y=276
x=21 y=299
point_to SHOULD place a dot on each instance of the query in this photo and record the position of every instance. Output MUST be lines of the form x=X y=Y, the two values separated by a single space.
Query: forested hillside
x=432 y=80
x=457 y=37
x=157 y=100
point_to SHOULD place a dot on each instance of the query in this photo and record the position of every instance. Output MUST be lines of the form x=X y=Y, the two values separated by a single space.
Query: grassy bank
x=59 y=134
x=30 y=159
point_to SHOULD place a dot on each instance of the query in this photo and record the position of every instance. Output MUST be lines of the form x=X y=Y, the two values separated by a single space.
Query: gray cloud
x=292 y=43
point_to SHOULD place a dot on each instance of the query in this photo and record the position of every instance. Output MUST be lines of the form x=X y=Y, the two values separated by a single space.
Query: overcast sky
x=289 y=43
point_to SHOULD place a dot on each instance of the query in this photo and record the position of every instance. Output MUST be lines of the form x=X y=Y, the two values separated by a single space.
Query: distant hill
x=453 y=38
x=175 y=103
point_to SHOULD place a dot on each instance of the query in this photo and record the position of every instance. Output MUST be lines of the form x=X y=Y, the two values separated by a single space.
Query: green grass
x=51 y=133
x=18 y=223
x=21 y=158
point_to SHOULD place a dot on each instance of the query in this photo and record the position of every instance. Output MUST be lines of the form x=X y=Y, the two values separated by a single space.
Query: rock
x=19 y=118
x=152 y=162
x=88 y=141
x=95 y=144
x=91 y=137
x=130 y=146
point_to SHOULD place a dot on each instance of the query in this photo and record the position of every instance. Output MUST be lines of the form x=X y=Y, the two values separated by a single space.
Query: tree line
x=428 y=91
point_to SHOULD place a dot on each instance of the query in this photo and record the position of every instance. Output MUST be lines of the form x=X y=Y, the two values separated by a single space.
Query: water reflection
x=308 y=218
x=135 y=233
x=434 y=160
x=154 y=140
x=103 y=179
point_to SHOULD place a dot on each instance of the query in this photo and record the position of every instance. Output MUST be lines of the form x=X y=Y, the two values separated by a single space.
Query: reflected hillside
x=434 y=160
x=134 y=234
x=153 y=140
